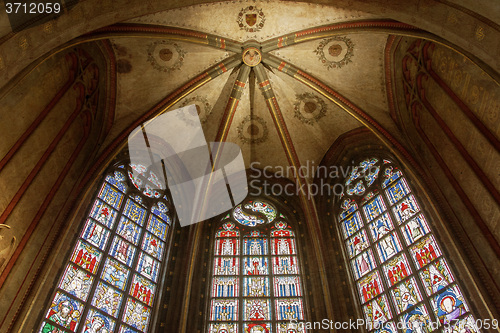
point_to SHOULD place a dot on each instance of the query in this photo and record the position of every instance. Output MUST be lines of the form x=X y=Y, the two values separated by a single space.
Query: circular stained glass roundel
x=253 y=220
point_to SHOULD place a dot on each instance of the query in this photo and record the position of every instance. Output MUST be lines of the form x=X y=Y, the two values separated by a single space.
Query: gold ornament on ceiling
x=203 y=107
x=165 y=56
x=309 y=108
x=251 y=19
x=253 y=129
x=335 y=52
x=251 y=56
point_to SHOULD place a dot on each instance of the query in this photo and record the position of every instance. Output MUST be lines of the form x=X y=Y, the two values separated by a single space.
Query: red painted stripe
x=281 y=66
x=221 y=66
x=34 y=125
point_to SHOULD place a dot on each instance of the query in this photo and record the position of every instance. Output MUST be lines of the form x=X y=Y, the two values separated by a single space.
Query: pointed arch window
x=111 y=280
x=255 y=284
x=404 y=282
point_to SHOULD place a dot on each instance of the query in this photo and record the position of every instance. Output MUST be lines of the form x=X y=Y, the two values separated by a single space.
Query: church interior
x=369 y=131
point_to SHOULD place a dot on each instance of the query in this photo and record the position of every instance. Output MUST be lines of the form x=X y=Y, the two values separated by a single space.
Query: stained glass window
x=109 y=283
x=404 y=282
x=256 y=283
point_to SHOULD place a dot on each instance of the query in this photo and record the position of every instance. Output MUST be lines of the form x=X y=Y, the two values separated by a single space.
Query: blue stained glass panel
x=351 y=225
x=397 y=191
x=95 y=234
x=406 y=209
x=157 y=227
x=142 y=289
x=256 y=309
x=436 y=276
x=111 y=196
x=449 y=305
x=256 y=286
x=129 y=230
x=226 y=266
x=107 y=299
x=372 y=175
x=363 y=263
x=374 y=208
x=115 y=274
x=152 y=246
x=357 y=243
x=390 y=175
x=264 y=208
x=117 y=182
x=416 y=320
x=255 y=266
x=223 y=286
x=285 y=265
x=86 y=256
x=96 y=322
x=255 y=246
x=148 y=267
x=381 y=226
x=287 y=286
x=289 y=309
x=76 y=282
x=415 y=229
x=135 y=212
x=357 y=189
x=352 y=208
x=224 y=310
x=122 y=250
x=161 y=209
x=103 y=214
x=64 y=311
x=388 y=247
x=137 y=315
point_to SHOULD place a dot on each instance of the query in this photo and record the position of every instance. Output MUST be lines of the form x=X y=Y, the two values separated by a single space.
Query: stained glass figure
x=416 y=320
x=363 y=263
x=255 y=266
x=381 y=226
x=95 y=234
x=287 y=286
x=406 y=295
x=256 y=309
x=226 y=266
x=405 y=209
x=107 y=299
x=388 y=247
x=98 y=323
x=115 y=274
x=103 y=214
x=283 y=246
x=255 y=246
x=370 y=286
x=148 y=267
x=351 y=225
x=377 y=311
x=111 y=196
x=397 y=269
x=289 y=309
x=357 y=243
x=135 y=212
x=224 y=310
x=76 y=282
x=63 y=311
x=137 y=315
x=225 y=287
x=152 y=246
x=374 y=208
x=122 y=250
x=285 y=265
x=86 y=256
x=449 y=305
x=415 y=229
x=256 y=286
x=397 y=191
x=157 y=227
x=436 y=276
x=143 y=290
x=129 y=230
x=425 y=251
